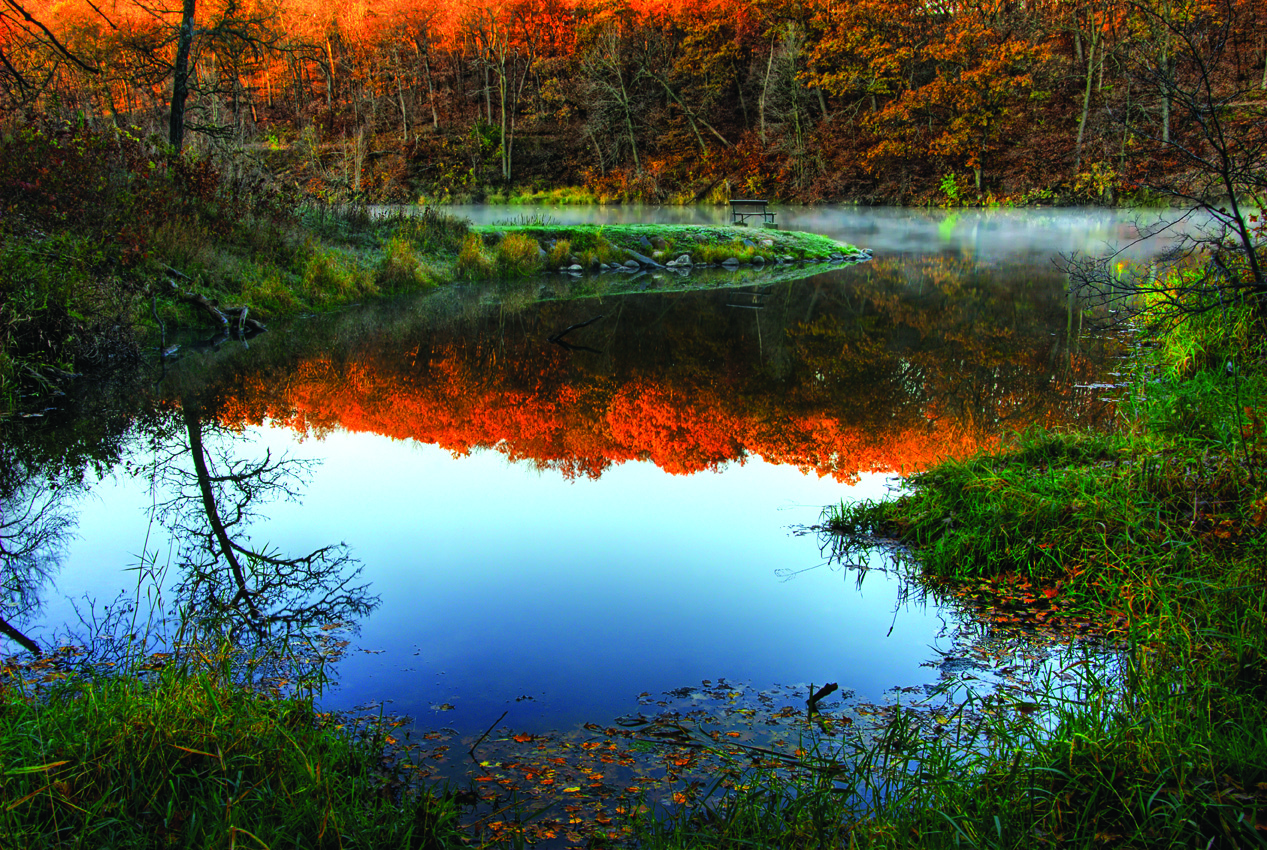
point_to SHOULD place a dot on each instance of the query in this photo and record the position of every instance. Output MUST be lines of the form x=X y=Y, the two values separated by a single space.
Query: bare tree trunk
x=765 y=87
x=633 y=142
x=1086 y=102
x=180 y=84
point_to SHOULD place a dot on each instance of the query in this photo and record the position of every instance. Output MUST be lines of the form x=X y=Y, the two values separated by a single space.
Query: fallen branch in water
x=224 y=316
x=570 y=328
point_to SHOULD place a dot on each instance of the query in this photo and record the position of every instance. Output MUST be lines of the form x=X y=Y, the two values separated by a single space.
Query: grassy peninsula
x=123 y=235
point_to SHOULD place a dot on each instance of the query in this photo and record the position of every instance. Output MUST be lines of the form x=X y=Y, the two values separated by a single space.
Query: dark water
x=551 y=531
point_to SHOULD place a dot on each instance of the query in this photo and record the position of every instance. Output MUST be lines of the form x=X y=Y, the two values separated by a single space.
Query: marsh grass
x=1156 y=532
x=401 y=269
x=180 y=753
x=518 y=255
x=474 y=263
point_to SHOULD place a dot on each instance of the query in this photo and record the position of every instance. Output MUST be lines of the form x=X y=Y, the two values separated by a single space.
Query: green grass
x=1155 y=531
x=182 y=756
x=706 y=244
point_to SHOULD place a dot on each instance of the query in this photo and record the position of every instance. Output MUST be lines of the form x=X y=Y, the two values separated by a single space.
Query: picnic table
x=742 y=209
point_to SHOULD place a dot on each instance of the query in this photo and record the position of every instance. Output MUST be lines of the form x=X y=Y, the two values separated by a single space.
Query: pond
x=552 y=536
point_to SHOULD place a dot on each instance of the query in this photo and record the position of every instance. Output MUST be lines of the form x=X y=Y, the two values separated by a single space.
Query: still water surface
x=552 y=532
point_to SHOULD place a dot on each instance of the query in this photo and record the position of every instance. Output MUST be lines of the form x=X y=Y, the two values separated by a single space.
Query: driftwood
x=12 y=633
x=234 y=319
x=822 y=693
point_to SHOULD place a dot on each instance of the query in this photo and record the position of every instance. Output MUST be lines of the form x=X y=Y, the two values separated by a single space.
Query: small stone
x=575 y=268
x=758 y=260
x=659 y=243
x=730 y=262
x=632 y=265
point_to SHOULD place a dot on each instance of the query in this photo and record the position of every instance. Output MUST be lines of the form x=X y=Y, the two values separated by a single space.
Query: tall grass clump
x=433 y=231
x=401 y=269
x=474 y=263
x=518 y=255
x=559 y=255
x=716 y=253
x=186 y=757
x=329 y=278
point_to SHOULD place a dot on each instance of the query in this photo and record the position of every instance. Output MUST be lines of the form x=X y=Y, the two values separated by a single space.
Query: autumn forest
x=875 y=101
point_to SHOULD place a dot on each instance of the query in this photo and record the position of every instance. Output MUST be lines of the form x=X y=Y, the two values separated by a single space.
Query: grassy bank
x=1154 y=533
x=106 y=234
x=184 y=755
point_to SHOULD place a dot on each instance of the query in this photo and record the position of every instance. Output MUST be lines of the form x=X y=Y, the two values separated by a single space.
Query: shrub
x=268 y=291
x=329 y=279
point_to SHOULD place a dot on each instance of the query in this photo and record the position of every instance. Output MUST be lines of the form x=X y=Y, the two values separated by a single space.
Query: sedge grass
x=189 y=758
x=1159 y=529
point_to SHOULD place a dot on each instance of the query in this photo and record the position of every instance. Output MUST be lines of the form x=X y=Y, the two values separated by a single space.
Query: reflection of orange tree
x=875 y=375
x=679 y=426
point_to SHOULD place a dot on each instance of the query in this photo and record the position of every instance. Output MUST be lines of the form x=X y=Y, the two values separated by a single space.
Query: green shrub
x=269 y=292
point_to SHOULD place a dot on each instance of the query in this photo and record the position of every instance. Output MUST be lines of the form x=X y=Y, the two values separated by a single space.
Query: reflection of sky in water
x=499 y=581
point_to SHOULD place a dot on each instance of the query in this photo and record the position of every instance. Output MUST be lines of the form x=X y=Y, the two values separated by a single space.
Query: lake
x=551 y=536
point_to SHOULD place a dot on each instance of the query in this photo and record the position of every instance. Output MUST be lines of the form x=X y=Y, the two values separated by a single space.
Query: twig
x=570 y=328
x=471 y=751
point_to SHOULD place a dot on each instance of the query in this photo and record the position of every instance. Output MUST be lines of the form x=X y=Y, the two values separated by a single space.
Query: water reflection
x=35 y=524
x=881 y=367
x=209 y=498
x=554 y=529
